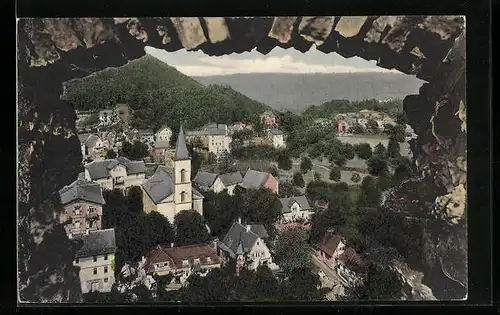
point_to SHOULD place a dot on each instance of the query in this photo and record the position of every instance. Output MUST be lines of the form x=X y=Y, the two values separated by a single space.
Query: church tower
x=183 y=194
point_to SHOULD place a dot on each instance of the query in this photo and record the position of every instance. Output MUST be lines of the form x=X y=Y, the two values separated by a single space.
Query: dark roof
x=229 y=179
x=175 y=255
x=98 y=242
x=181 y=151
x=287 y=203
x=196 y=194
x=162 y=144
x=329 y=243
x=254 y=179
x=205 y=179
x=238 y=233
x=352 y=260
x=210 y=129
x=82 y=137
x=100 y=169
x=81 y=190
x=146 y=132
x=160 y=185
x=91 y=141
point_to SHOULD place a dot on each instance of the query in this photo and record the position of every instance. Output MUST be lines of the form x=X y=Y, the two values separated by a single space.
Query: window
x=105 y=280
x=185 y=263
x=196 y=260
x=77 y=224
x=95 y=258
x=91 y=209
x=106 y=257
x=209 y=259
x=95 y=271
x=105 y=269
x=165 y=264
x=77 y=261
x=183 y=175
x=183 y=196
x=258 y=243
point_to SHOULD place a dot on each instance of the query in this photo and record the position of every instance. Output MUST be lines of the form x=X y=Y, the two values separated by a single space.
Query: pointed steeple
x=181 y=151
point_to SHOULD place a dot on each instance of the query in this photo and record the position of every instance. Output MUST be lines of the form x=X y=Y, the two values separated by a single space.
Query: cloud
x=202 y=65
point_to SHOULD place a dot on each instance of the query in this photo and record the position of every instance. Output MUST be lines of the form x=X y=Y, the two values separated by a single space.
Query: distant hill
x=298 y=91
x=158 y=94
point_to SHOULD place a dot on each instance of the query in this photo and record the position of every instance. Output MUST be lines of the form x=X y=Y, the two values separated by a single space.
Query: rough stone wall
x=52 y=51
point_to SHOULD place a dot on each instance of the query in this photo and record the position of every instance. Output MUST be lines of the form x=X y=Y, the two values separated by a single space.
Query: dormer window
x=185 y=263
x=196 y=260
x=209 y=259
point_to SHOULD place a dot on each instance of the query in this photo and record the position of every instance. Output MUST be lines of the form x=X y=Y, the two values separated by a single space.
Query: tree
x=348 y=151
x=377 y=166
x=363 y=151
x=190 y=228
x=135 y=151
x=292 y=250
x=134 y=199
x=402 y=171
x=115 y=203
x=338 y=159
x=267 y=286
x=284 y=161
x=382 y=283
x=393 y=150
x=303 y=285
x=401 y=119
x=288 y=190
x=220 y=212
x=357 y=129
x=261 y=206
x=372 y=126
x=380 y=151
x=335 y=174
x=305 y=164
x=298 y=180
x=370 y=193
x=110 y=154
x=225 y=163
x=398 y=133
x=158 y=230
x=317 y=176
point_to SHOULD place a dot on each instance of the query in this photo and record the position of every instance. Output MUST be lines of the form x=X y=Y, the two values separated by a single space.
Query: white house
x=248 y=242
x=350 y=267
x=147 y=137
x=163 y=134
x=91 y=145
x=295 y=208
x=213 y=137
x=116 y=173
x=330 y=247
x=170 y=190
x=96 y=259
x=107 y=117
x=275 y=136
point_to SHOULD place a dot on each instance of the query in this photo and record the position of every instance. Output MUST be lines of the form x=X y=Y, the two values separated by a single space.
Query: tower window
x=183 y=175
x=183 y=196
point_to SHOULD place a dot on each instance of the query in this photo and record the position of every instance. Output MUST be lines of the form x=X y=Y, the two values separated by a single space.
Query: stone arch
x=52 y=51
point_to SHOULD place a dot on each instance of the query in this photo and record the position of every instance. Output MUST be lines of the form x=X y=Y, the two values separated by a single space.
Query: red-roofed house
x=330 y=248
x=181 y=261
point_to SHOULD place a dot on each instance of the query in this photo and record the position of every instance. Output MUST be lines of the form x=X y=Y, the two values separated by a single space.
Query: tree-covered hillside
x=331 y=108
x=159 y=94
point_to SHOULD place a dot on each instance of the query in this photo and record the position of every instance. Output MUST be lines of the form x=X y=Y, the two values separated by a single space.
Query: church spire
x=181 y=151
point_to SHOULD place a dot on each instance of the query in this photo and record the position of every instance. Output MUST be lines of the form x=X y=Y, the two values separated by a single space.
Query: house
x=371 y=114
x=130 y=135
x=256 y=180
x=230 y=181
x=82 y=203
x=108 y=139
x=268 y=118
x=218 y=182
x=160 y=147
x=344 y=124
x=275 y=136
x=170 y=189
x=181 y=261
x=321 y=204
x=209 y=181
x=163 y=134
x=147 y=137
x=96 y=259
x=350 y=267
x=212 y=137
x=247 y=242
x=116 y=173
x=295 y=208
x=330 y=247
x=107 y=117
x=91 y=145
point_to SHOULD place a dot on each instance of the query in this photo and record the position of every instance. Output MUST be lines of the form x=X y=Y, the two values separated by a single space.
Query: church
x=170 y=189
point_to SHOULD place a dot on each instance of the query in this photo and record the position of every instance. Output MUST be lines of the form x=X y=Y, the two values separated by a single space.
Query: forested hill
x=159 y=94
x=330 y=109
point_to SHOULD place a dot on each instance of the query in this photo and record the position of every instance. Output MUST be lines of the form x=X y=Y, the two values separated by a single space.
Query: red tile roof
x=175 y=255
x=329 y=243
x=350 y=257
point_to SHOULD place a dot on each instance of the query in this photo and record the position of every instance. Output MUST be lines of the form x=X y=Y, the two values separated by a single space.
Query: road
x=331 y=280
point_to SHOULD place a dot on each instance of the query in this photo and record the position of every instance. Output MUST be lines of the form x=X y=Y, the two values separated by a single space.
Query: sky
x=279 y=60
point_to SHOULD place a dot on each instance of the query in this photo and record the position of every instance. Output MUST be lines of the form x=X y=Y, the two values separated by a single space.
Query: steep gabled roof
x=238 y=234
x=230 y=179
x=160 y=185
x=81 y=190
x=98 y=242
x=275 y=132
x=329 y=243
x=100 y=169
x=181 y=151
x=205 y=179
x=287 y=203
x=254 y=179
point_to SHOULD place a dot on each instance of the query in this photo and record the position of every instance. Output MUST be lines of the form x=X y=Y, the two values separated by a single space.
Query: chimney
x=171 y=245
x=248 y=227
x=239 y=220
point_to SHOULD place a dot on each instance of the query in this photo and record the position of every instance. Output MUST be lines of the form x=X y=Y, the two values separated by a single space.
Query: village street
x=330 y=280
